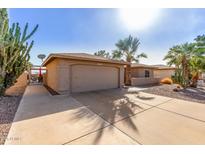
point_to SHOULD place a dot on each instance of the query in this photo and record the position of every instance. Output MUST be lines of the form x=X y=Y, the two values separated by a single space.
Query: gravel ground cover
x=189 y=94
x=8 y=107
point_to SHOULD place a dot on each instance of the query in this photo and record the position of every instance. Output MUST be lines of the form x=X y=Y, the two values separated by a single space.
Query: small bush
x=166 y=81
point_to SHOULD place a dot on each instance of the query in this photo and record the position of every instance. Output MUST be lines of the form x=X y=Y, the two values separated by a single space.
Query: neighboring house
x=79 y=72
x=149 y=74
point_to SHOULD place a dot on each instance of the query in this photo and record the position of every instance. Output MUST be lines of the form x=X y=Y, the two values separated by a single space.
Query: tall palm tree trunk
x=185 y=73
x=128 y=74
x=128 y=71
x=195 y=78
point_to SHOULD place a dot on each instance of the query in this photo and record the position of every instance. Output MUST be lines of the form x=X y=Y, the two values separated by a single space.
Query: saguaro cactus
x=14 y=50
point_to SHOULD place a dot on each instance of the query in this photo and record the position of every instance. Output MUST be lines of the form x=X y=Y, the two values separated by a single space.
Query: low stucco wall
x=22 y=80
x=144 y=81
x=17 y=88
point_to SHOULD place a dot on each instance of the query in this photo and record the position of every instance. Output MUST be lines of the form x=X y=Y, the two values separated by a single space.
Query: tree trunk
x=185 y=72
x=128 y=75
x=195 y=79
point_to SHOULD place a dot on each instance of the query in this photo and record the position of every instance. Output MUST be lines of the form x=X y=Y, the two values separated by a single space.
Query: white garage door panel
x=89 y=78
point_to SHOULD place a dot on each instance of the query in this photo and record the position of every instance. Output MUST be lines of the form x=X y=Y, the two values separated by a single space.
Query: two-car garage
x=90 y=77
x=72 y=72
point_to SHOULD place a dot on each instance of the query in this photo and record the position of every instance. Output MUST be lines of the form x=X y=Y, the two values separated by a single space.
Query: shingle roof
x=142 y=65
x=160 y=67
x=81 y=56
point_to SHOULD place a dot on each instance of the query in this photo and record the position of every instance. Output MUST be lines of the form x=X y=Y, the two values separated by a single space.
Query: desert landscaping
x=189 y=94
x=8 y=107
x=101 y=97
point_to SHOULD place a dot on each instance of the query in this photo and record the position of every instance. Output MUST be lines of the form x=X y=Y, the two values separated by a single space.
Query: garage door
x=89 y=78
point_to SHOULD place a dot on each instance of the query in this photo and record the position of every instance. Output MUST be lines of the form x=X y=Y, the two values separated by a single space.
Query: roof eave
x=153 y=67
x=53 y=56
x=143 y=67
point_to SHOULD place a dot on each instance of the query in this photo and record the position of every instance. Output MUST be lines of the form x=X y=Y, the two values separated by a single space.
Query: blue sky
x=90 y=30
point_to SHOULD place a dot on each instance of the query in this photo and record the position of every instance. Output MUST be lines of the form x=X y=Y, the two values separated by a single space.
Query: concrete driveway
x=106 y=117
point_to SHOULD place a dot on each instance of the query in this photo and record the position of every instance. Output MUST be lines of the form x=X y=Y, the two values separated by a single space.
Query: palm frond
x=128 y=48
x=142 y=55
x=117 y=54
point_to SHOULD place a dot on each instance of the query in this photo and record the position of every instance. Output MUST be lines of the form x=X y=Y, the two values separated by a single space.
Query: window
x=146 y=74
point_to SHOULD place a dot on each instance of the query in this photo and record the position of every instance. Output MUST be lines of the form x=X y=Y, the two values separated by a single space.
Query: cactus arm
x=14 y=50
x=32 y=32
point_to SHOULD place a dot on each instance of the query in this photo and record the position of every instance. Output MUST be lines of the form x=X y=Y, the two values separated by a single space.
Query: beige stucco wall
x=144 y=81
x=45 y=78
x=59 y=73
x=18 y=87
x=140 y=72
x=51 y=74
x=163 y=73
x=138 y=76
x=22 y=79
x=63 y=72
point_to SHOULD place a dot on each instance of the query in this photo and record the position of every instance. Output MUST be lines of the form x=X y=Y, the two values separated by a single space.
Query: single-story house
x=79 y=72
x=142 y=74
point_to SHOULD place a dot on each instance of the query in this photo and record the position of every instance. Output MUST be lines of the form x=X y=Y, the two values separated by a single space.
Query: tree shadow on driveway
x=75 y=117
x=111 y=105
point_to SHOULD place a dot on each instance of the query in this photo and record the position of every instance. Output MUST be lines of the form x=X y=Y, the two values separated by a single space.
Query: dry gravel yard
x=189 y=94
x=8 y=108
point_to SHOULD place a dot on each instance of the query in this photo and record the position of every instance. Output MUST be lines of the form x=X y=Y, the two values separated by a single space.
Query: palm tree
x=173 y=58
x=102 y=53
x=187 y=58
x=180 y=56
x=127 y=51
x=197 y=63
